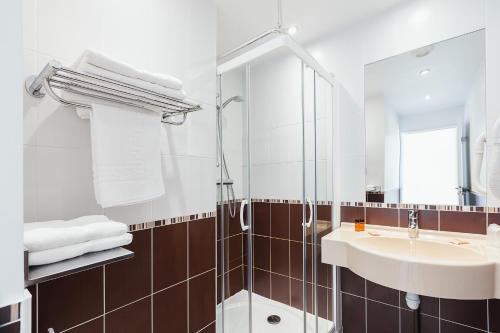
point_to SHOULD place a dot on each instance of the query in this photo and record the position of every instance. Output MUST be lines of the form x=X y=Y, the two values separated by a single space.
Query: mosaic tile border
x=290 y=201
x=286 y=201
x=449 y=208
x=172 y=220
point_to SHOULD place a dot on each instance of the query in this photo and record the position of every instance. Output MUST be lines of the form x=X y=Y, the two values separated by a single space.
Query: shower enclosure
x=275 y=191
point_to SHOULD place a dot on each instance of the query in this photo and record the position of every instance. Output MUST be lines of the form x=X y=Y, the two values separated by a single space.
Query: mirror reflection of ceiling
x=453 y=65
x=240 y=20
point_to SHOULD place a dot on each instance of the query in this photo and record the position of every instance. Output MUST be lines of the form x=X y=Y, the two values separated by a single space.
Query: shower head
x=238 y=99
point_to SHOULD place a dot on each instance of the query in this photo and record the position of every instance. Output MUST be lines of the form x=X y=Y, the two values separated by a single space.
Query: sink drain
x=273 y=319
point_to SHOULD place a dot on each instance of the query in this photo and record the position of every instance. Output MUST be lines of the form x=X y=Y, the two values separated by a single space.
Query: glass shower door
x=233 y=204
x=323 y=222
x=274 y=197
x=318 y=196
x=277 y=182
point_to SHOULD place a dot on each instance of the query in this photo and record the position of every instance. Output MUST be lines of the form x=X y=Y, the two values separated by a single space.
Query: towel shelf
x=38 y=274
x=54 y=77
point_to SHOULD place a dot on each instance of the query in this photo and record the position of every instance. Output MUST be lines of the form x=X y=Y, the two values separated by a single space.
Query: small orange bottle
x=359 y=225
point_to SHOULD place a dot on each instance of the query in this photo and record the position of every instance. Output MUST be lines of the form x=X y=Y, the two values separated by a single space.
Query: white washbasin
x=437 y=264
x=418 y=250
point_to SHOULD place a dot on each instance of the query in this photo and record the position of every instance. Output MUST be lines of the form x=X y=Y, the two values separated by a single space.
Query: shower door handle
x=242 y=219
x=309 y=221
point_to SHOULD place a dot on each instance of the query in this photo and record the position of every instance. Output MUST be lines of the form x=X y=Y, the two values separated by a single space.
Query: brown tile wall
x=369 y=307
x=233 y=248
x=277 y=254
x=380 y=309
x=432 y=219
x=168 y=286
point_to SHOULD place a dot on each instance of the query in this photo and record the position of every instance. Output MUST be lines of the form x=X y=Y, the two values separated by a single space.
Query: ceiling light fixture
x=427 y=97
x=425 y=72
x=292 y=30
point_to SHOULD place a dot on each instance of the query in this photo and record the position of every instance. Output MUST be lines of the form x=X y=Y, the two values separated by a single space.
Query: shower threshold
x=291 y=319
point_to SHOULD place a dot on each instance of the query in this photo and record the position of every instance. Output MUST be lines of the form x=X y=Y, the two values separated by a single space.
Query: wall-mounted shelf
x=38 y=274
x=55 y=77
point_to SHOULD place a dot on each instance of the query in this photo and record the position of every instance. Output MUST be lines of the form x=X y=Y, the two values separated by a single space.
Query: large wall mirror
x=425 y=121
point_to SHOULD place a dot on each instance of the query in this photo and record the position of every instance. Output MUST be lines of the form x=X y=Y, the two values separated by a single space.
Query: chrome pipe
x=251 y=41
x=55 y=76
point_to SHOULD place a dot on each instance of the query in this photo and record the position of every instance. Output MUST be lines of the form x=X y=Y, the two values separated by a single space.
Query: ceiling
x=240 y=20
x=454 y=65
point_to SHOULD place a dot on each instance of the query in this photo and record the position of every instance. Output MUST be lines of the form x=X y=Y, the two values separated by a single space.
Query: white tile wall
x=166 y=36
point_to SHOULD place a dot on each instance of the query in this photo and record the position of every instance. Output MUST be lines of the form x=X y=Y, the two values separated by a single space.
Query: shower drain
x=273 y=319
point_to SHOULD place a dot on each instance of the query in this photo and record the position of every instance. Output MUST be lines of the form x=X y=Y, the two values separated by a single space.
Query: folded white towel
x=82 y=220
x=125 y=155
x=72 y=251
x=100 y=60
x=84 y=113
x=53 y=234
x=91 y=69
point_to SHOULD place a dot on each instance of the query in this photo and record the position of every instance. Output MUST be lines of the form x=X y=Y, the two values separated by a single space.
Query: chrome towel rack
x=55 y=77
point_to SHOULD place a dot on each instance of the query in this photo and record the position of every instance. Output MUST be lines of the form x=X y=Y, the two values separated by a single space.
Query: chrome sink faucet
x=413 y=223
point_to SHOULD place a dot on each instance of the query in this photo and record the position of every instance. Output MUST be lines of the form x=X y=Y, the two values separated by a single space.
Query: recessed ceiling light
x=292 y=30
x=427 y=97
x=425 y=72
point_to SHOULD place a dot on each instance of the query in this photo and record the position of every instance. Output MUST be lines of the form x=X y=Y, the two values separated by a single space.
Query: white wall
x=11 y=248
x=172 y=36
x=404 y=28
x=375 y=141
x=392 y=151
x=475 y=115
x=492 y=80
x=349 y=156
x=382 y=144
x=276 y=128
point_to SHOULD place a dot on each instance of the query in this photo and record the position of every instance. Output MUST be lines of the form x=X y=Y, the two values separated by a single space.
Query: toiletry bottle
x=359 y=225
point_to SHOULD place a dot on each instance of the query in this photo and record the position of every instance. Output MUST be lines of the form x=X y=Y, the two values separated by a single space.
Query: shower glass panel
x=232 y=206
x=276 y=140
x=323 y=222
x=274 y=197
x=318 y=152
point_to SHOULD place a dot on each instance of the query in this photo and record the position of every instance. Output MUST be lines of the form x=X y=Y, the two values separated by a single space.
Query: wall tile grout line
x=82 y=323
x=220 y=275
x=150 y=295
x=439 y=314
x=289 y=261
x=188 y=275
x=400 y=308
x=125 y=305
x=205 y=327
x=290 y=277
x=488 y=315
x=37 y=298
x=366 y=308
x=151 y=279
x=104 y=298
x=460 y=324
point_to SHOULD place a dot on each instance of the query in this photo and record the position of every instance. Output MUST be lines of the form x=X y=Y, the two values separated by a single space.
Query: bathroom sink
x=437 y=264
x=418 y=250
